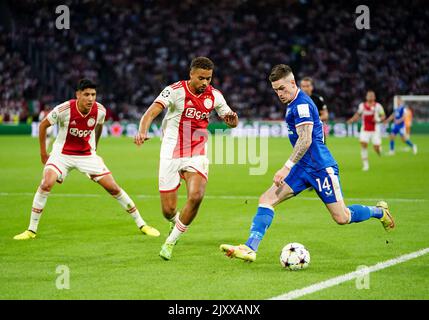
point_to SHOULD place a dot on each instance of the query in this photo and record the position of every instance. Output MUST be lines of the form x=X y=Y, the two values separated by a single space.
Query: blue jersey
x=302 y=110
x=399 y=113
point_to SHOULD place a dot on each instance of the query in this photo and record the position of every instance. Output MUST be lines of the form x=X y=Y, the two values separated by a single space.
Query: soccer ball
x=294 y=256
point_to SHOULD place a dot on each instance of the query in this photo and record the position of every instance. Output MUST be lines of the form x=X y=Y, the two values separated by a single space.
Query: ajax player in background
x=184 y=143
x=372 y=114
x=310 y=165
x=80 y=125
x=398 y=116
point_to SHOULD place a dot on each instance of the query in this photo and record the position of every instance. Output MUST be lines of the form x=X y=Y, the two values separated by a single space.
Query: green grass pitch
x=83 y=228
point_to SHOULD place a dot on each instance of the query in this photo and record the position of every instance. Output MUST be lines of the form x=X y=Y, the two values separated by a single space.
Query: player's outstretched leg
x=358 y=213
x=364 y=156
x=108 y=183
x=392 y=145
x=387 y=219
x=196 y=185
x=260 y=224
x=408 y=142
x=39 y=202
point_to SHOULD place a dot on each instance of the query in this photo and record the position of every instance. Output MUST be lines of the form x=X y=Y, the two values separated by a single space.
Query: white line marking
x=349 y=276
x=153 y=196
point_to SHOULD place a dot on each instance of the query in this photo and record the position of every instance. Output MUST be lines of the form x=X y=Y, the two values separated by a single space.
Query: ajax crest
x=91 y=122
x=208 y=103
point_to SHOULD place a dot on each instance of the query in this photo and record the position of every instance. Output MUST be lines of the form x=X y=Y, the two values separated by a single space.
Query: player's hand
x=44 y=157
x=140 y=138
x=349 y=121
x=231 y=119
x=280 y=176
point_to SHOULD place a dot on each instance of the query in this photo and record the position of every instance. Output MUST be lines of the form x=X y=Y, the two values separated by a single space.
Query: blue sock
x=392 y=145
x=361 y=213
x=409 y=143
x=261 y=222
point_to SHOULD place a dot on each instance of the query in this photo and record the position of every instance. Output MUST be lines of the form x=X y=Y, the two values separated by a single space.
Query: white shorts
x=170 y=171
x=373 y=136
x=93 y=166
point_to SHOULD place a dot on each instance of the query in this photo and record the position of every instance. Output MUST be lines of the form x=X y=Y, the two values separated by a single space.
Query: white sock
x=128 y=204
x=179 y=228
x=175 y=217
x=39 y=203
x=364 y=156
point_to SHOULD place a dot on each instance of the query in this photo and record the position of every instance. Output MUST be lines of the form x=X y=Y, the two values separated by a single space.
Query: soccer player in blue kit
x=399 y=127
x=310 y=165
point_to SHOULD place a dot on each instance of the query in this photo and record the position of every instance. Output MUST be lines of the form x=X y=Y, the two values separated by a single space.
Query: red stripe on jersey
x=101 y=107
x=177 y=85
x=192 y=131
x=64 y=108
x=368 y=117
x=214 y=89
x=79 y=130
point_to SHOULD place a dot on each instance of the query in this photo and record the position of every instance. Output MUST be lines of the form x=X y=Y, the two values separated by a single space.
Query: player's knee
x=46 y=185
x=341 y=219
x=265 y=199
x=196 y=196
x=168 y=210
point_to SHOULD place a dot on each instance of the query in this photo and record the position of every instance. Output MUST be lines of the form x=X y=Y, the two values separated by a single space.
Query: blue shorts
x=326 y=182
x=398 y=129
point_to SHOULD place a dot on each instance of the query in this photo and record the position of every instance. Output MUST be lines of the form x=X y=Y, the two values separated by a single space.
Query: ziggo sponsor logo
x=79 y=133
x=194 y=114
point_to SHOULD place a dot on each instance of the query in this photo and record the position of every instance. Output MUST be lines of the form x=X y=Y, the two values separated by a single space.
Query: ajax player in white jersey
x=372 y=114
x=80 y=125
x=184 y=143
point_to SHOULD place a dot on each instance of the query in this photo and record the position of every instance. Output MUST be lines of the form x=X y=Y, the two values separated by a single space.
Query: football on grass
x=294 y=256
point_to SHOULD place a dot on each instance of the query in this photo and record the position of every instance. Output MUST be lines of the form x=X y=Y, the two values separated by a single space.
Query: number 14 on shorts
x=324 y=185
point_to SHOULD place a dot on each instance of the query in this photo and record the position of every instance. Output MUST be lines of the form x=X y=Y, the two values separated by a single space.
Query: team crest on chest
x=208 y=103
x=91 y=122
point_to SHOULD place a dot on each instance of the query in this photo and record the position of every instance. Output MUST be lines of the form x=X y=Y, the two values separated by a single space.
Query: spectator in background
x=146 y=45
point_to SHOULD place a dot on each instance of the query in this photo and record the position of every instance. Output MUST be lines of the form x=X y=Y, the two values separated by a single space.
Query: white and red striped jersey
x=76 y=134
x=184 y=127
x=370 y=115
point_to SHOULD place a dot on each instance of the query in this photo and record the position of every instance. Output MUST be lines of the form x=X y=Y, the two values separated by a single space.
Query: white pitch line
x=349 y=276
x=243 y=197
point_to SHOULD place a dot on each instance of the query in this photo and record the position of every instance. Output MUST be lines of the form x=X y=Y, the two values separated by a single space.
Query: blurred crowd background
x=134 y=49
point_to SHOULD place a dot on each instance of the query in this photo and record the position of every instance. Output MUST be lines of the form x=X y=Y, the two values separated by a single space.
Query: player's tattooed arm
x=303 y=143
